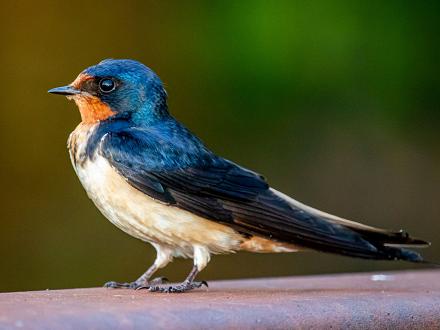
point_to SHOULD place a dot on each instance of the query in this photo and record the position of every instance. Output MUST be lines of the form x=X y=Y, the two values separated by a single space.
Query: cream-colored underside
x=166 y=227
x=150 y=220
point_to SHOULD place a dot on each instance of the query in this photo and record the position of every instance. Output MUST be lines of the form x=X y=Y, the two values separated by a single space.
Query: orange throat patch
x=92 y=109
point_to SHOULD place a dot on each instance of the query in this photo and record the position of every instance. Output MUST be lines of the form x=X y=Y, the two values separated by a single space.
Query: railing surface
x=401 y=300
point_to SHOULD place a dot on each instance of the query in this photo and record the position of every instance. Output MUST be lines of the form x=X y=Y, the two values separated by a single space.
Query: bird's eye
x=106 y=85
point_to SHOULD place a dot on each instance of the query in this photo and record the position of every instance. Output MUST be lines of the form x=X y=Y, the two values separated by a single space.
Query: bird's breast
x=140 y=215
x=150 y=220
x=78 y=141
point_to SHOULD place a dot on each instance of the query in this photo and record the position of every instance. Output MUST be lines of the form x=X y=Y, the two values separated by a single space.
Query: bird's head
x=117 y=87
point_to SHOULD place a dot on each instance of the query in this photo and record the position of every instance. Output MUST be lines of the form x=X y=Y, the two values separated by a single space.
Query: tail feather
x=392 y=238
x=385 y=244
x=403 y=254
x=393 y=245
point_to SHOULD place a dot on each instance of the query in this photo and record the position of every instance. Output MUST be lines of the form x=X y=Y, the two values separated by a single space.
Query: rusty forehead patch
x=82 y=77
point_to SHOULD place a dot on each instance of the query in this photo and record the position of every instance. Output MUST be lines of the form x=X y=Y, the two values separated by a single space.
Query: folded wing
x=188 y=176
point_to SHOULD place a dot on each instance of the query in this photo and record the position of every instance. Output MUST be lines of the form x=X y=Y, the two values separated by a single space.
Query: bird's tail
x=391 y=245
x=388 y=245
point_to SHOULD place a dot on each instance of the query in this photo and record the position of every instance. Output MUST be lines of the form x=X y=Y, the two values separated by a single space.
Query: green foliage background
x=335 y=102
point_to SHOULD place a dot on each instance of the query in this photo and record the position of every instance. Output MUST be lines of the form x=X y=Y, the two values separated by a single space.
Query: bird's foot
x=136 y=285
x=178 y=288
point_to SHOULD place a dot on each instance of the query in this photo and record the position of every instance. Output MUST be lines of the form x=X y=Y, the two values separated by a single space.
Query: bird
x=155 y=180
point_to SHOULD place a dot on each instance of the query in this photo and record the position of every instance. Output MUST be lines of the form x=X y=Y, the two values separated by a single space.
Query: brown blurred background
x=337 y=103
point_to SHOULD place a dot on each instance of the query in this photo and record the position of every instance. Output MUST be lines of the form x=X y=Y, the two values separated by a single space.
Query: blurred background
x=336 y=103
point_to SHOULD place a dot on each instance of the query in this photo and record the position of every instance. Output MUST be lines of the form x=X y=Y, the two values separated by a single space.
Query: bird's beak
x=65 y=90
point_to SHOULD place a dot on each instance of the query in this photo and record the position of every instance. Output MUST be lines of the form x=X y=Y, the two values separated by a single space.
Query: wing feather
x=192 y=178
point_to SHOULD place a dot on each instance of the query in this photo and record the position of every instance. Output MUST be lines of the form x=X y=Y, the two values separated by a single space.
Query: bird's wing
x=193 y=179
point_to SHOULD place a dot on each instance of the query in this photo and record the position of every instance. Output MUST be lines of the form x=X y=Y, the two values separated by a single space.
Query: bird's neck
x=84 y=140
x=92 y=109
x=150 y=114
x=154 y=109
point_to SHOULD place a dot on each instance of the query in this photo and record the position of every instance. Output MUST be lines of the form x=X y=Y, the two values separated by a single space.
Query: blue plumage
x=140 y=91
x=161 y=158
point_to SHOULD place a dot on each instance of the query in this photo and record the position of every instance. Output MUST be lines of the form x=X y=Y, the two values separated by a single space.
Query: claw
x=179 y=288
x=143 y=287
x=116 y=285
x=110 y=284
x=136 y=285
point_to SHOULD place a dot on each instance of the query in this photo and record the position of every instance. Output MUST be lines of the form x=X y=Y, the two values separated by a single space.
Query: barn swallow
x=155 y=180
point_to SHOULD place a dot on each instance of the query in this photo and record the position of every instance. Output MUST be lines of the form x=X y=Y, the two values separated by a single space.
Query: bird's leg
x=201 y=259
x=164 y=256
x=186 y=285
x=142 y=281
